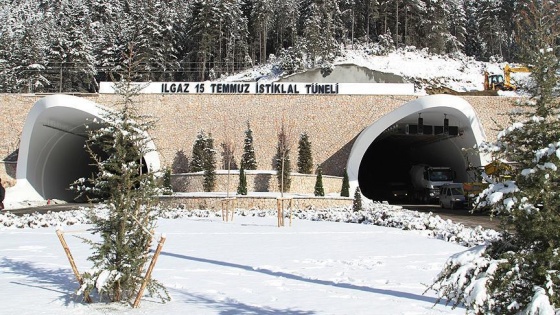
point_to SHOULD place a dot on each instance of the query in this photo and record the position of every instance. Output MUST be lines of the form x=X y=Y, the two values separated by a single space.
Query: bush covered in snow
x=373 y=213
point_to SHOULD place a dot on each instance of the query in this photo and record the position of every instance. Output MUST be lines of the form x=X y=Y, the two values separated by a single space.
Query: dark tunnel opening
x=384 y=173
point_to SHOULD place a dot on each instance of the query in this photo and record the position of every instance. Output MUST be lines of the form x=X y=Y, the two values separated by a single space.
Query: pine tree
x=209 y=164
x=319 y=190
x=248 y=160
x=305 y=158
x=345 y=190
x=519 y=273
x=180 y=163
x=357 y=203
x=242 y=187
x=117 y=146
x=167 y=188
x=198 y=152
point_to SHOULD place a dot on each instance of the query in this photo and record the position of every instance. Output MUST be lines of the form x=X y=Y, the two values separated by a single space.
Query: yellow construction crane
x=495 y=82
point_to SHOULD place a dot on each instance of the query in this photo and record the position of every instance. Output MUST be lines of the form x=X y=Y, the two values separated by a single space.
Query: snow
x=328 y=262
x=458 y=72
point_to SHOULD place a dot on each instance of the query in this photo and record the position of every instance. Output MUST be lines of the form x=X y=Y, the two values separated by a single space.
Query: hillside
x=458 y=72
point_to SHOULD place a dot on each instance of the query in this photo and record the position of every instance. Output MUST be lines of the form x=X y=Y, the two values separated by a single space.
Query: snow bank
x=374 y=213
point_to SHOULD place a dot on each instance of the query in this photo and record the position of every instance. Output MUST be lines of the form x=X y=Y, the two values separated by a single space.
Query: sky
x=248 y=265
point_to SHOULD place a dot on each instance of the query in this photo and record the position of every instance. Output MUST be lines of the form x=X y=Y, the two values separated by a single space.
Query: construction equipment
x=498 y=168
x=498 y=82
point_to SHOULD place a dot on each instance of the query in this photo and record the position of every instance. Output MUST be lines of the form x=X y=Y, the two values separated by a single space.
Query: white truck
x=426 y=181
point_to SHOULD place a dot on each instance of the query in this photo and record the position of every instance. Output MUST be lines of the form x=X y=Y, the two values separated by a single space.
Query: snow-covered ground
x=328 y=262
x=458 y=72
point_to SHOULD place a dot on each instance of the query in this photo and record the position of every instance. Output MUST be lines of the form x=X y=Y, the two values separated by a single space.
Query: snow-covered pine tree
x=519 y=273
x=248 y=159
x=319 y=190
x=242 y=186
x=345 y=189
x=305 y=158
x=117 y=145
x=180 y=163
x=357 y=203
x=198 y=152
x=282 y=163
x=71 y=48
x=209 y=165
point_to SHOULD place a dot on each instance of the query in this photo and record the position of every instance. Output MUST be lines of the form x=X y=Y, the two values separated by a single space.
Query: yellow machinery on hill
x=498 y=82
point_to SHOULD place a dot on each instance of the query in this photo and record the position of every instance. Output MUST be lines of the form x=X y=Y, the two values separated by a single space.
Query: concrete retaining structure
x=331 y=121
x=253 y=202
x=257 y=181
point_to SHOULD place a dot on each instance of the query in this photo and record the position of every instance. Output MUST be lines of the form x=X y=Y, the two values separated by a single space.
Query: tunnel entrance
x=384 y=172
x=52 y=152
x=435 y=130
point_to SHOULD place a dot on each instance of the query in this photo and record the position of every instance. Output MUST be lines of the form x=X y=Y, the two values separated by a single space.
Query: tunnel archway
x=384 y=152
x=52 y=153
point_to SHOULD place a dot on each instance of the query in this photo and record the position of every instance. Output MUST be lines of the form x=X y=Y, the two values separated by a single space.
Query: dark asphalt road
x=459 y=216
x=463 y=216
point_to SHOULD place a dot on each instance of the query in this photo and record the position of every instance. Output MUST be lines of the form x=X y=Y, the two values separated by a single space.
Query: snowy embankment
x=379 y=214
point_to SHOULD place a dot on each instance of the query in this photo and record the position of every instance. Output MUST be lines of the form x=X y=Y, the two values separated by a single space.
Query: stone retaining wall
x=256 y=182
x=332 y=122
x=252 y=202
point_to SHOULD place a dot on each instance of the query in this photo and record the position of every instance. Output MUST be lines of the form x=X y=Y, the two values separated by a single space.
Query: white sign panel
x=268 y=88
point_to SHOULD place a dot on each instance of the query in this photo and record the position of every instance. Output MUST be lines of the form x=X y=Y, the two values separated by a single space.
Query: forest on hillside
x=71 y=45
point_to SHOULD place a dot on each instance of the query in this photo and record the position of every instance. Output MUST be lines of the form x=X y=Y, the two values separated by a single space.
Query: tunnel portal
x=436 y=130
x=52 y=152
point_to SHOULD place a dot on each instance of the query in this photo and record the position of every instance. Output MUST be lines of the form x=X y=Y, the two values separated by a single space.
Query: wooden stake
x=72 y=262
x=280 y=208
x=226 y=208
x=149 y=272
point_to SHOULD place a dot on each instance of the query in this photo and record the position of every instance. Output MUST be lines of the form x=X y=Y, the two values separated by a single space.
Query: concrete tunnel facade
x=52 y=153
x=370 y=155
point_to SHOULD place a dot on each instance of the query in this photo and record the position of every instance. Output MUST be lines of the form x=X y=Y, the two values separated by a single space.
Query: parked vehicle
x=452 y=196
x=426 y=181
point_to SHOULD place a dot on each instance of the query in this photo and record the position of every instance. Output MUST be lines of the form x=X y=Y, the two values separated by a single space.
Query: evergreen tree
x=282 y=162
x=357 y=203
x=322 y=30
x=71 y=51
x=209 y=165
x=519 y=273
x=180 y=163
x=319 y=190
x=345 y=190
x=117 y=146
x=167 y=189
x=248 y=160
x=198 y=152
x=305 y=159
x=242 y=187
